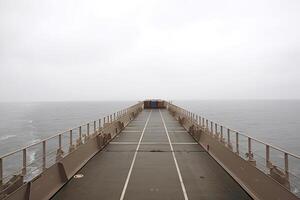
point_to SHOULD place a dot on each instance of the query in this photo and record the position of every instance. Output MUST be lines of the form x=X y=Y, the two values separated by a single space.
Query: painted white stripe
x=125 y=131
x=133 y=160
x=123 y=143
x=184 y=143
x=155 y=143
x=171 y=131
x=175 y=161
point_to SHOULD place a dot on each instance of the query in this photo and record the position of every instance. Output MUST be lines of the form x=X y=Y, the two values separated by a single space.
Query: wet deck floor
x=153 y=158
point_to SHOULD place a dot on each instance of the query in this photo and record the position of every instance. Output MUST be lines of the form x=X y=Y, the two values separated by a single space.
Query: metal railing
x=33 y=159
x=264 y=156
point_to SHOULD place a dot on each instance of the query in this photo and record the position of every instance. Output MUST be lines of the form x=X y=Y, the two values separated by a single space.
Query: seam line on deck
x=133 y=160
x=174 y=157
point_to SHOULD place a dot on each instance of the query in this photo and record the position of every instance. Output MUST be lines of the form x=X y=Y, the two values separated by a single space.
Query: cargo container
x=152 y=104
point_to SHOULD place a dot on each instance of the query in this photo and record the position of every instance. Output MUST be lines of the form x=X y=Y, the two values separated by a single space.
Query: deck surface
x=153 y=158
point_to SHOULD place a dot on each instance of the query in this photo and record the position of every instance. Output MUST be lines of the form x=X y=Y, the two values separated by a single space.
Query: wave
x=5 y=137
x=34 y=141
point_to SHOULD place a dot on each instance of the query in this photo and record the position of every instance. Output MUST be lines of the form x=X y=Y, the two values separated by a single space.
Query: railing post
x=286 y=163
x=99 y=124
x=44 y=155
x=1 y=171
x=203 y=124
x=80 y=132
x=211 y=127
x=95 y=127
x=24 y=162
x=221 y=130
x=249 y=149
x=267 y=156
x=71 y=138
x=88 y=129
x=59 y=141
x=216 y=128
x=206 y=124
x=237 y=142
x=103 y=120
x=228 y=138
x=114 y=116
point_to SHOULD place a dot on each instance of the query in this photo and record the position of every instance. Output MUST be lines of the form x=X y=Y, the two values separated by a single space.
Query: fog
x=88 y=50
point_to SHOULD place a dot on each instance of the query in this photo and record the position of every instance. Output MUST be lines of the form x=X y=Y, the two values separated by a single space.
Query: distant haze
x=62 y=50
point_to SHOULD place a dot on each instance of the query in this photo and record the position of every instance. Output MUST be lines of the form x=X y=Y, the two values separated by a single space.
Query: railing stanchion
x=44 y=155
x=24 y=162
x=99 y=124
x=286 y=163
x=211 y=127
x=59 y=141
x=221 y=130
x=228 y=138
x=216 y=128
x=88 y=129
x=114 y=116
x=1 y=171
x=237 y=142
x=249 y=148
x=95 y=127
x=267 y=156
x=80 y=132
x=71 y=138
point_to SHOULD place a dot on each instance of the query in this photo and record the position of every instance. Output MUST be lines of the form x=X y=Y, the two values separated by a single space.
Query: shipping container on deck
x=153 y=104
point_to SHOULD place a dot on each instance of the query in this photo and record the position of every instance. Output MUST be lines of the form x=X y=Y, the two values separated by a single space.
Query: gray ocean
x=273 y=121
x=22 y=124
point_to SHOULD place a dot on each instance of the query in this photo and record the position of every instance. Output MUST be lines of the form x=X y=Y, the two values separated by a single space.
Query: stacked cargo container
x=153 y=104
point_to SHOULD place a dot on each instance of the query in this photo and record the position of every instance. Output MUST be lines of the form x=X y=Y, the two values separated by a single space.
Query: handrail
x=244 y=134
x=49 y=138
x=95 y=124
x=286 y=175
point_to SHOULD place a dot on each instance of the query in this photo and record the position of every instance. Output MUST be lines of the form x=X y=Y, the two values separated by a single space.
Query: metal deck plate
x=154 y=174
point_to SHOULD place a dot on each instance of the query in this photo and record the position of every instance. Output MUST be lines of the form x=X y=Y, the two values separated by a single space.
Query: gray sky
x=129 y=50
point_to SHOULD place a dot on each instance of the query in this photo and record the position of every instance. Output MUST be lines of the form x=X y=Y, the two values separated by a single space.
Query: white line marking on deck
x=123 y=143
x=125 y=131
x=174 y=157
x=155 y=143
x=133 y=160
x=177 y=131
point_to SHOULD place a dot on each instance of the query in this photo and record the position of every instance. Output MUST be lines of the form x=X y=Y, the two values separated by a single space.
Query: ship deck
x=153 y=158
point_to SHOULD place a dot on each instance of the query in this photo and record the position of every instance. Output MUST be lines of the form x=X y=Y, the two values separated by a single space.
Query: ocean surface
x=22 y=124
x=274 y=121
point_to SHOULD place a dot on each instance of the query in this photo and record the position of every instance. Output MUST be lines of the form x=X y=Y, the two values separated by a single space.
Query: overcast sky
x=130 y=50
